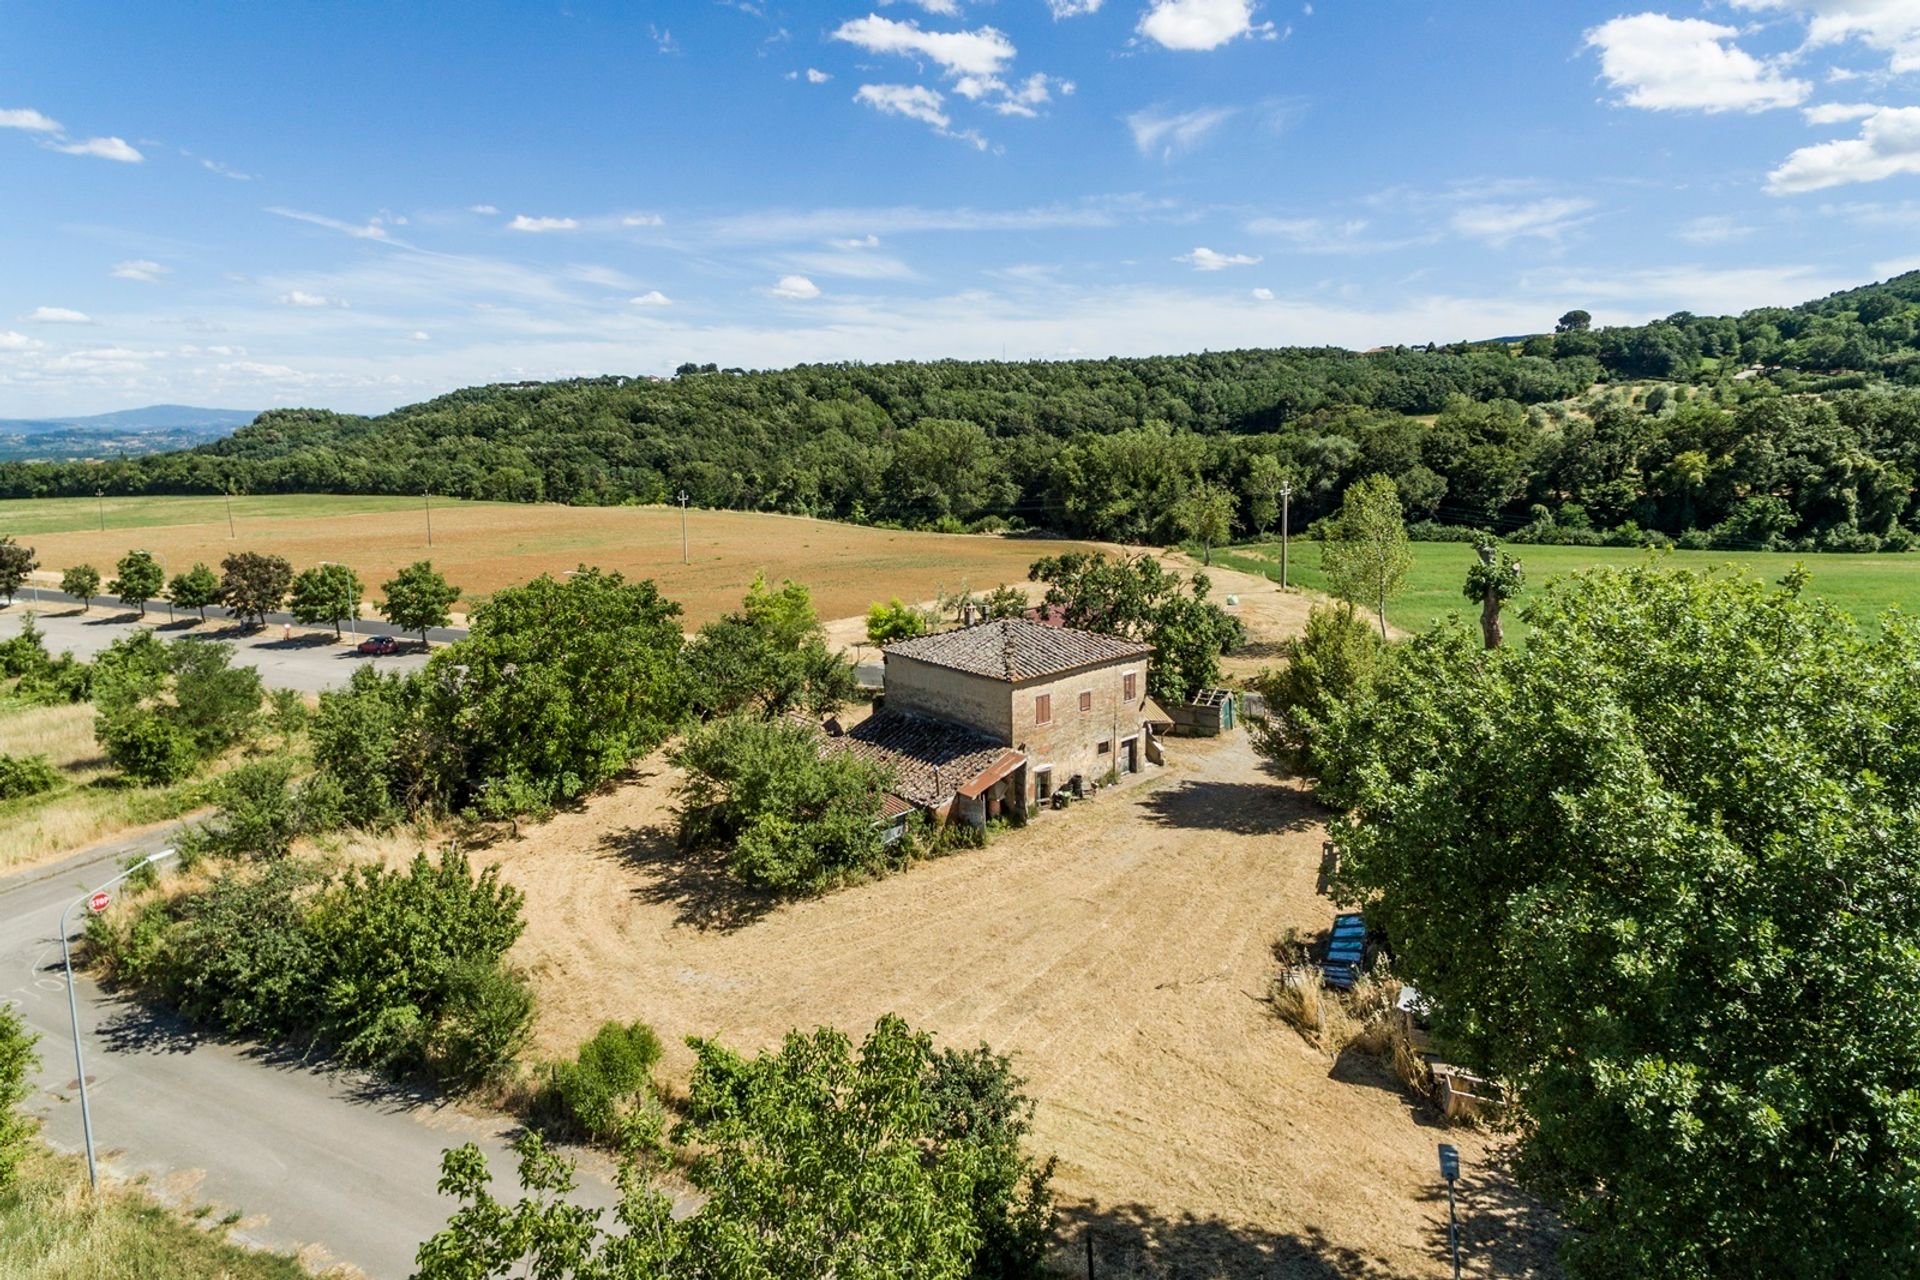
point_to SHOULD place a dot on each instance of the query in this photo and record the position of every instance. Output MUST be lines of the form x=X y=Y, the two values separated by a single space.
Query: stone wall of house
x=1070 y=742
x=924 y=689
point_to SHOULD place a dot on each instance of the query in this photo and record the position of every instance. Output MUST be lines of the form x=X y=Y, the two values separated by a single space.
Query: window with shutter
x=1043 y=708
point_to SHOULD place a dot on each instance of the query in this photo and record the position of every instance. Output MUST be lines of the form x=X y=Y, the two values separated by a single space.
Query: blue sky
x=358 y=206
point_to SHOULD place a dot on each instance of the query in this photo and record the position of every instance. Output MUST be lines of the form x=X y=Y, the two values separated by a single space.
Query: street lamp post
x=96 y=901
x=1286 y=499
x=1450 y=1170
x=683 y=526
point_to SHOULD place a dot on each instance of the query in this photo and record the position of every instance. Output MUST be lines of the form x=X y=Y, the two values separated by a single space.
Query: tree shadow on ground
x=1241 y=808
x=1357 y=1067
x=696 y=885
x=1503 y=1230
x=179 y=624
x=138 y=1027
x=113 y=619
x=1133 y=1242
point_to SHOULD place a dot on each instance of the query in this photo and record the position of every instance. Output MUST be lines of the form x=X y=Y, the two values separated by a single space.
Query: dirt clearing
x=1120 y=950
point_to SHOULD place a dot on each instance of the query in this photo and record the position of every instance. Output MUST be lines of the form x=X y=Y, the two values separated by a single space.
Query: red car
x=377 y=646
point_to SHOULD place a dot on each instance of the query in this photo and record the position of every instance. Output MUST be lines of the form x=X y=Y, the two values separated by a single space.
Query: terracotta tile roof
x=931 y=759
x=1014 y=649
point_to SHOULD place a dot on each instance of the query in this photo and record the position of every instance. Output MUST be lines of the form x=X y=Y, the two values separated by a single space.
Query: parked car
x=377 y=646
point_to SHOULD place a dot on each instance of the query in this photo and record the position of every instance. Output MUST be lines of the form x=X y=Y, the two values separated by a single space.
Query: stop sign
x=98 y=902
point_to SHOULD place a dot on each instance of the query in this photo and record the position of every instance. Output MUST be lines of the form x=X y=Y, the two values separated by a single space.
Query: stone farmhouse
x=992 y=719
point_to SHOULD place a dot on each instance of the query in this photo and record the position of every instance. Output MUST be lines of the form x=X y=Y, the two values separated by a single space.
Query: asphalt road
x=310 y=662
x=308 y=1156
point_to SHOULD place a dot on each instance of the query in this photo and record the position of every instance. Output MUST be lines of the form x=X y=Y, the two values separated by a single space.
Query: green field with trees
x=1787 y=427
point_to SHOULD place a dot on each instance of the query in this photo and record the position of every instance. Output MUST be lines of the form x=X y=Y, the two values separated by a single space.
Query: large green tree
x=1138 y=598
x=770 y=655
x=418 y=599
x=138 y=579
x=82 y=582
x=326 y=593
x=1363 y=549
x=195 y=589
x=1659 y=871
x=254 y=585
x=16 y=563
x=815 y=1159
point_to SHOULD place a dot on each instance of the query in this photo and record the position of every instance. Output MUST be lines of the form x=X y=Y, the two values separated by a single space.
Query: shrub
x=147 y=746
x=26 y=776
x=257 y=815
x=609 y=1076
x=783 y=814
x=1329 y=665
x=17 y=1062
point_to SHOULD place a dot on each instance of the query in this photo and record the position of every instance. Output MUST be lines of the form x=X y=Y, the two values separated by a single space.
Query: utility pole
x=683 y=527
x=426 y=497
x=100 y=497
x=230 y=534
x=1286 y=503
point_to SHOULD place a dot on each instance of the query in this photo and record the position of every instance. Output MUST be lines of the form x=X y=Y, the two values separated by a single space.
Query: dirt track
x=1120 y=950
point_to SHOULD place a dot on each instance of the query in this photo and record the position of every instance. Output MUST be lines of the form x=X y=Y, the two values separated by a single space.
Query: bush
x=609 y=1076
x=26 y=776
x=165 y=709
x=17 y=1062
x=147 y=746
x=257 y=815
x=1331 y=664
x=783 y=814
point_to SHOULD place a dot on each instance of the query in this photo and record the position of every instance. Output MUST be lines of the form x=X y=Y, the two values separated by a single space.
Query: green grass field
x=25 y=517
x=1864 y=585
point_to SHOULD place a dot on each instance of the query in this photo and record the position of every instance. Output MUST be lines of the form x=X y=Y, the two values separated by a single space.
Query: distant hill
x=154 y=417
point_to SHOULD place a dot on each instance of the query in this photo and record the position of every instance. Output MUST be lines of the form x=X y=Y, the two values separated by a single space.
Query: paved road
x=322 y=1157
x=310 y=662
x=40 y=598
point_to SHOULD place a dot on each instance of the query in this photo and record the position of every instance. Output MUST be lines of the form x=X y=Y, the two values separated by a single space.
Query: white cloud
x=1712 y=229
x=1889 y=144
x=1838 y=112
x=796 y=287
x=484 y=209
x=1204 y=259
x=868 y=241
x=225 y=170
x=142 y=269
x=58 y=315
x=1012 y=100
x=857 y=264
x=420 y=335
x=521 y=222
x=11 y=340
x=1676 y=64
x=914 y=101
x=301 y=298
x=651 y=298
x=984 y=52
x=1196 y=24
x=817 y=76
x=1500 y=223
x=1073 y=8
x=105 y=148
x=28 y=119
x=1891 y=26
x=643 y=220
x=1324 y=235
x=1170 y=133
x=1263 y=295
x=945 y=8
x=370 y=230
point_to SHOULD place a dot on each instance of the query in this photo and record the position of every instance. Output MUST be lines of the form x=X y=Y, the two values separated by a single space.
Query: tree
x=1659 y=872
x=195 y=589
x=1573 y=322
x=326 y=593
x=139 y=579
x=1266 y=476
x=781 y=811
x=1491 y=581
x=81 y=582
x=811 y=1160
x=894 y=620
x=17 y=1063
x=253 y=585
x=770 y=655
x=558 y=686
x=16 y=564
x=166 y=708
x=1329 y=666
x=418 y=599
x=1363 y=549
x=1206 y=513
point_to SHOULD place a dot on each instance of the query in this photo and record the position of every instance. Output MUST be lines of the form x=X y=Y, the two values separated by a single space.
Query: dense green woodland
x=1787 y=427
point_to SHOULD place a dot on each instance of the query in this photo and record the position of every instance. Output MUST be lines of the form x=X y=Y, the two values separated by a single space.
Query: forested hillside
x=1796 y=428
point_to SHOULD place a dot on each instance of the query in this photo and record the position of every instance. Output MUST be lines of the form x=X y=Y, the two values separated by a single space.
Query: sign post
x=1450 y=1170
x=99 y=901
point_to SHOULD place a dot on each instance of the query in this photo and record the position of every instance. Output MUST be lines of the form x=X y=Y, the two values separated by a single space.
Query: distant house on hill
x=992 y=719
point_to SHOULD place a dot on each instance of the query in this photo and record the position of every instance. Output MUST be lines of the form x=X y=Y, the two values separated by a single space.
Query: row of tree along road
x=250 y=586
